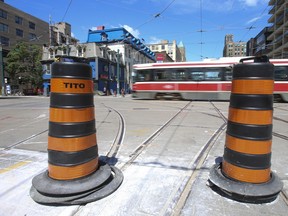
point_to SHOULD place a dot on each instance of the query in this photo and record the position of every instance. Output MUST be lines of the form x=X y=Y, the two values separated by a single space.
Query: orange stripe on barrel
x=252 y=86
x=71 y=144
x=245 y=175
x=78 y=86
x=248 y=146
x=258 y=117
x=71 y=115
x=73 y=172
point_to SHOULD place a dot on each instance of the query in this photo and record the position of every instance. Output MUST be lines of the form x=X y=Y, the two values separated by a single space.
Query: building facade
x=60 y=34
x=278 y=29
x=233 y=49
x=171 y=49
x=111 y=54
x=16 y=26
x=260 y=45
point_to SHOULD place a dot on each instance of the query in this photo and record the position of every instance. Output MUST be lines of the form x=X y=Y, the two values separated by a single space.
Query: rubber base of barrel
x=242 y=191
x=102 y=190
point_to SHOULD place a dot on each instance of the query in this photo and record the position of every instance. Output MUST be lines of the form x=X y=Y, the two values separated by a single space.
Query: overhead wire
x=67 y=9
x=253 y=24
x=157 y=15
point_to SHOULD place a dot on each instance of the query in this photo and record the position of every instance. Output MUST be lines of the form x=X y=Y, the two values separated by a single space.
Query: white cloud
x=154 y=40
x=253 y=20
x=252 y=3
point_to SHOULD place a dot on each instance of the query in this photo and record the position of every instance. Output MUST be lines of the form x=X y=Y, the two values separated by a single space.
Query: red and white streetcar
x=209 y=79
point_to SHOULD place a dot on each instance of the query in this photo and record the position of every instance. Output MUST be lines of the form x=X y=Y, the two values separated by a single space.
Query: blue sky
x=200 y=24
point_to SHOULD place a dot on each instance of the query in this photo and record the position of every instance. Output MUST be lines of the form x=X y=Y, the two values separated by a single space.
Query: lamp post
x=2 y=70
x=118 y=73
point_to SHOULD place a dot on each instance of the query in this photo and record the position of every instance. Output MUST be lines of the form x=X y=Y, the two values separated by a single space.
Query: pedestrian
x=123 y=92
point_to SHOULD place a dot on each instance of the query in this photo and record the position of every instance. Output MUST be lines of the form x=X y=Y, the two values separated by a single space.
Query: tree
x=23 y=62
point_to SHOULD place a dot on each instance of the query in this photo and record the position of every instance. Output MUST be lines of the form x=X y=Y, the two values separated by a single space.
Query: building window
x=19 y=32
x=3 y=14
x=3 y=27
x=80 y=51
x=51 y=53
x=32 y=25
x=18 y=20
x=4 y=41
x=32 y=37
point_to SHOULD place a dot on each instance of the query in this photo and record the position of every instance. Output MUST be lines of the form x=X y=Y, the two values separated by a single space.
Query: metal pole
x=2 y=70
x=118 y=76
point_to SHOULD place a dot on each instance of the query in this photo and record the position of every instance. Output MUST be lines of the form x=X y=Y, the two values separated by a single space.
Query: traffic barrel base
x=98 y=185
x=243 y=191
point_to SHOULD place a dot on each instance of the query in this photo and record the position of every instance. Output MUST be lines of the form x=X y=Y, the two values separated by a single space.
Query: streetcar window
x=228 y=74
x=142 y=76
x=213 y=74
x=178 y=75
x=161 y=75
x=197 y=75
x=281 y=73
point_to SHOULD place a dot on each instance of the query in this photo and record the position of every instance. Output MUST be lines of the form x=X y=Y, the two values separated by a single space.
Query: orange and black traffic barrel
x=75 y=174
x=247 y=153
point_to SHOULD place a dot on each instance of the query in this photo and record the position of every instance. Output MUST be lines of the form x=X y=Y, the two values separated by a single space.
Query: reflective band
x=73 y=172
x=71 y=144
x=259 y=117
x=61 y=85
x=245 y=175
x=252 y=86
x=71 y=115
x=248 y=146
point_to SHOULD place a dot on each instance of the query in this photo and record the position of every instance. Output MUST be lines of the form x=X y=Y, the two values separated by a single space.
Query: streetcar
x=210 y=79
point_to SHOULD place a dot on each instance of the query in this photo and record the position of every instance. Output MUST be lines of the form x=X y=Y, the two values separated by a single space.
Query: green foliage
x=24 y=61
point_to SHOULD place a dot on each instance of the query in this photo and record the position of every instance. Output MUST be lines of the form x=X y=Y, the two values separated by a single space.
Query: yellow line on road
x=14 y=166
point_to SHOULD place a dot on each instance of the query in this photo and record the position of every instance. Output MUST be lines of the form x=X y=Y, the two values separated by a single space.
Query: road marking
x=14 y=166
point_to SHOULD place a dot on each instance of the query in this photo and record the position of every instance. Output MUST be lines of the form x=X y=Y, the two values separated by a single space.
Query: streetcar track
x=146 y=142
x=114 y=148
x=280 y=119
x=281 y=136
x=24 y=140
x=183 y=192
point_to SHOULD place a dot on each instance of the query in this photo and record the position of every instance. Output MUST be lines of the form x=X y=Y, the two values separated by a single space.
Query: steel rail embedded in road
x=143 y=145
x=113 y=151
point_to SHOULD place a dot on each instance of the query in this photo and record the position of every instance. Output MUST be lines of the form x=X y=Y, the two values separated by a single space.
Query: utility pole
x=2 y=70
x=118 y=73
